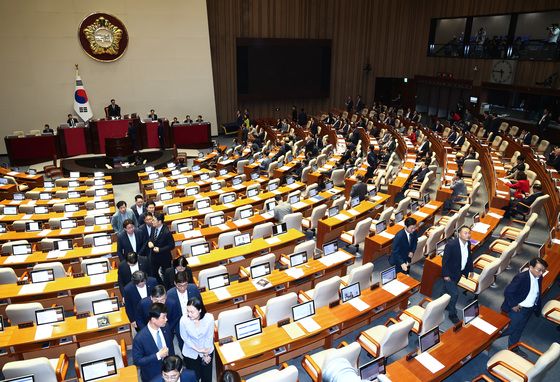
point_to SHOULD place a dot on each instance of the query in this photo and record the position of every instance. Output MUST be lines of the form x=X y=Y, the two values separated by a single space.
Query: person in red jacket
x=521 y=187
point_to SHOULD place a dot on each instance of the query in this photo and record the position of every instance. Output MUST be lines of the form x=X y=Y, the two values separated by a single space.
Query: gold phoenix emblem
x=103 y=37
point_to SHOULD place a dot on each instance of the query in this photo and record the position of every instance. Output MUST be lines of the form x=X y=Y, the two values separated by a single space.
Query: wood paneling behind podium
x=392 y=35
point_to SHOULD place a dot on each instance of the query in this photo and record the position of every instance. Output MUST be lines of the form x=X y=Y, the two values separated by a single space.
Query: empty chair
x=324 y=293
x=269 y=258
x=56 y=266
x=543 y=146
x=101 y=350
x=198 y=201
x=227 y=238
x=534 y=140
x=240 y=210
x=42 y=369
x=362 y=275
x=386 y=340
x=209 y=216
x=286 y=374
x=357 y=236
x=420 y=247
x=229 y=318
x=480 y=282
x=339 y=202
x=83 y=301
x=435 y=236
x=262 y=230
x=426 y=318
x=187 y=245
x=513 y=232
x=505 y=257
x=309 y=188
x=551 y=311
x=241 y=165
x=19 y=225
x=469 y=166
x=175 y=223
x=7 y=248
x=314 y=364
x=293 y=220
x=307 y=247
x=305 y=174
x=85 y=262
x=385 y=215
x=88 y=239
x=402 y=206
x=204 y=274
x=20 y=313
x=272 y=183
x=419 y=193
x=277 y=308
x=506 y=365
x=317 y=213
x=8 y=276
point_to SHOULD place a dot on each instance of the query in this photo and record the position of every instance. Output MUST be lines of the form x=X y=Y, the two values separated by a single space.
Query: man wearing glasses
x=172 y=371
x=523 y=297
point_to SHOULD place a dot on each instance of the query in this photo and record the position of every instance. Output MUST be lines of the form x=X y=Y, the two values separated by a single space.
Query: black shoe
x=454 y=319
x=521 y=353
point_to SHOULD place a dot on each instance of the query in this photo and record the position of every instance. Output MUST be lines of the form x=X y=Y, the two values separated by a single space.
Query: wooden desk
x=194 y=135
x=550 y=254
x=22 y=177
x=57 y=233
x=378 y=245
x=330 y=228
x=203 y=184
x=432 y=267
x=126 y=374
x=50 y=202
x=397 y=185
x=454 y=350
x=259 y=351
x=80 y=214
x=31 y=149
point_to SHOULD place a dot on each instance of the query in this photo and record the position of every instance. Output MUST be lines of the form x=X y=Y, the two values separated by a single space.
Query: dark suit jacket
x=123 y=244
x=124 y=275
x=132 y=297
x=72 y=121
x=527 y=138
x=451 y=265
x=169 y=277
x=164 y=241
x=401 y=248
x=451 y=137
x=424 y=148
x=143 y=310
x=144 y=351
x=186 y=376
x=173 y=299
x=543 y=125
x=517 y=291
x=145 y=237
x=153 y=117
x=114 y=111
x=359 y=190
x=135 y=212
x=460 y=141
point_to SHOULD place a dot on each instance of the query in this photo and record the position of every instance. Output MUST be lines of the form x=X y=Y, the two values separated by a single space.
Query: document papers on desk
x=272 y=240
x=353 y=212
x=221 y=293
x=480 y=227
x=98 y=279
x=359 y=304
x=431 y=206
x=102 y=249
x=55 y=254
x=232 y=351
x=421 y=214
x=294 y=272
x=65 y=231
x=429 y=362
x=43 y=331
x=555 y=241
x=44 y=232
x=485 y=326
x=386 y=235
x=14 y=259
x=32 y=288
x=89 y=229
x=309 y=324
x=222 y=227
x=299 y=205
x=194 y=233
x=395 y=287
x=242 y=222
x=341 y=217
x=494 y=215
x=292 y=186
x=293 y=330
x=334 y=258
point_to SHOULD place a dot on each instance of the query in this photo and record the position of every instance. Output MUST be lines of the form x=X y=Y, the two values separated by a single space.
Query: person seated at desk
x=71 y=121
x=175 y=121
x=153 y=115
x=522 y=206
x=113 y=110
x=412 y=136
x=520 y=166
x=127 y=268
x=152 y=344
x=521 y=186
x=459 y=190
x=404 y=246
x=188 y=119
x=47 y=129
x=359 y=189
x=139 y=287
x=199 y=119
x=282 y=209
x=129 y=240
x=121 y=215
x=172 y=370
x=554 y=158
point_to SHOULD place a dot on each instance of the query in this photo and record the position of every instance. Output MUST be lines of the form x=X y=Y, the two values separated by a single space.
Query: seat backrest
x=420 y=247
x=262 y=230
x=532 y=219
x=19 y=313
x=469 y=166
x=269 y=258
x=317 y=213
x=326 y=291
x=537 y=204
x=543 y=145
x=175 y=223
x=85 y=262
x=362 y=275
x=229 y=318
x=238 y=210
x=226 y=238
x=199 y=200
x=293 y=220
x=534 y=140
x=385 y=215
x=403 y=205
x=100 y=350
x=19 y=225
x=307 y=246
x=506 y=256
x=82 y=301
x=434 y=314
x=362 y=230
x=544 y=363
x=462 y=215
x=7 y=248
x=56 y=266
x=351 y=352
x=40 y=368
x=450 y=226
x=531 y=176
x=204 y=274
x=396 y=337
x=434 y=237
x=486 y=277
x=187 y=244
x=280 y=308
x=8 y=276
x=241 y=165
x=207 y=217
x=339 y=202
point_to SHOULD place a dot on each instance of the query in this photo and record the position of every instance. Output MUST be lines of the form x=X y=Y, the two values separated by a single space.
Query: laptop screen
x=229 y=198
x=413 y=207
x=101 y=240
x=153 y=175
x=18 y=196
x=158 y=185
x=191 y=191
x=289 y=180
x=222 y=172
x=303 y=310
x=398 y=217
x=98 y=205
x=217 y=220
x=42 y=275
x=174 y=209
x=204 y=176
x=74 y=174
x=242 y=239
x=27 y=378
x=313 y=192
x=218 y=281
x=106 y=305
x=195 y=168
x=215 y=186
x=73 y=183
x=237 y=180
x=98 y=174
x=68 y=223
x=252 y=192
x=200 y=249
x=279 y=229
x=48 y=184
x=388 y=275
x=76 y=194
x=10 y=210
x=21 y=249
x=171 y=165
x=95 y=370
x=333 y=211
x=254 y=175
x=166 y=196
x=470 y=312
x=429 y=339
x=182 y=181
x=248 y=328
x=330 y=248
x=185 y=226
x=33 y=226
x=328 y=185
x=380 y=227
x=294 y=199
x=373 y=193
x=426 y=198
x=201 y=204
x=272 y=186
x=63 y=245
x=260 y=270
x=354 y=201
x=149 y=168
x=298 y=259
x=246 y=213
x=45 y=196
x=371 y=370
x=75 y=207
x=41 y=210
x=49 y=316
x=103 y=219
x=97 y=268
x=270 y=205
x=350 y=292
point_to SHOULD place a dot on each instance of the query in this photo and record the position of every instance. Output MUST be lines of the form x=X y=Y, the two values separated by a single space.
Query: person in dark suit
x=126 y=268
x=522 y=205
x=314 y=127
x=302 y=117
x=161 y=243
x=153 y=343
x=149 y=207
x=71 y=121
x=359 y=189
x=349 y=104
x=178 y=296
x=158 y=295
x=355 y=136
x=452 y=137
x=457 y=262
x=172 y=370
x=138 y=288
x=113 y=110
x=138 y=208
x=244 y=134
x=522 y=297
x=372 y=161
x=132 y=135
x=294 y=113
x=554 y=158
x=527 y=138
x=160 y=134
x=180 y=264
x=424 y=149
x=47 y=129
x=153 y=115
x=404 y=245
x=128 y=240
x=359 y=104
x=543 y=123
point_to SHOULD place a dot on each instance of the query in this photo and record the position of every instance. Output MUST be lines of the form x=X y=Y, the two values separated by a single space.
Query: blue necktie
x=158 y=341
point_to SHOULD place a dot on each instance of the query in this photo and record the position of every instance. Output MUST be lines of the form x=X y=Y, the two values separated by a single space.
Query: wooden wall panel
x=390 y=35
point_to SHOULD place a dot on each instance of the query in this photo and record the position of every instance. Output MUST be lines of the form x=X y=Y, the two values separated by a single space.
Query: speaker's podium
x=118 y=147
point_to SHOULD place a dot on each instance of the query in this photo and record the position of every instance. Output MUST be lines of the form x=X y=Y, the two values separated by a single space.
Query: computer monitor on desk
x=371 y=370
x=200 y=249
x=470 y=312
x=104 y=306
x=303 y=310
x=97 y=268
x=333 y=211
x=242 y=239
x=388 y=275
x=330 y=248
x=279 y=229
x=101 y=240
x=260 y=270
x=248 y=328
x=42 y=275
x=27 y=378
x=96 y=370
x=102 y=220
x=350 y=292
x=49 y=316
x=246 y=213
x=380 y=227
x=21 y=249
x=218 y=281
x=398 y=217
x=429 y=339
x=185 y=226
x=217 y=220
x=298 y=259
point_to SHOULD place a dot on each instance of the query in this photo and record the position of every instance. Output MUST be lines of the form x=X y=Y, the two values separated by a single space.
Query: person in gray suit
x=359 y=189
x=458 y=188
x=282 y=209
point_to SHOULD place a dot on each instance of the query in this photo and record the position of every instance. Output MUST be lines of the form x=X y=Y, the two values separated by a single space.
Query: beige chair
x=8 y=276
x=317 y=213
x=543 y=146
x=386 y=340
x=204 y=274
x=42 y=369
x=356 y=236
x=428 y=317
x=241 y=165
x=285 y=374
x=324 y=293
x=512 y=232
x=385 y=215
x=20 y=313
x=307 y=246
x=534 y=140
x=478 y=283
x=240 y=210
x=101 y=350
x=227 y=238
x=83 y=301
x=505 y=258
x=535 y=207
x=362 y=274
x=293 y=220
x=84 y=263
x=56 y=266
x=175 y=223
x=262 y=230
x=209 y=216
x=18 y=133
x=314 y=364
x=509 y=366
x=551 y=311
x=229 y=318
x=277 y=309
x=435 y=236
x=269 y=258
x=420 y=250
x=420 y=192
x=7 y=248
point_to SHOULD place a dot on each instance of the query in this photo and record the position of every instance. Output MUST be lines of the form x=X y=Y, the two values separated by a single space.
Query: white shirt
x=154 y=336
x=183 y=299
x=134 y=268
x=140 y=210
x=407 y=236
x=533 y=294
x=464 y=253
x=142 y=291
x=132 y=239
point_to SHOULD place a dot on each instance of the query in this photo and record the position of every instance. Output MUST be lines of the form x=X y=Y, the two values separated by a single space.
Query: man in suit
x=47 y=129
x=424 y=149
x=554 y=158
x=138 y=208
x=314 y=127
x=152 y=344
x=522 y=205
x=355 y=136
x=149 y=207
x=132 y=135
x=349 y=104
x=121 y=216
x=161 y=137
x=244 y=134
x=178 y=296
x=152 y=115
x=457 y=262
x=302 y=117
x=459 y=189
x=282 y=209
x=372 y=161
x=359 y=104
x=172 y=370
x=128 y=240
x=522 y=297
x=404 y=245
x=126 y=268
x=158 y=295
x=543 y=123
x=114 y=110
x=161 y=243
x=359 y=189
x=138 y=288
x=71 y=121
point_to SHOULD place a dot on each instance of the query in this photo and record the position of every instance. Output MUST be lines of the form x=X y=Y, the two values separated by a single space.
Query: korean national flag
x=81 y=100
